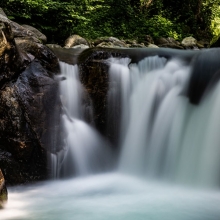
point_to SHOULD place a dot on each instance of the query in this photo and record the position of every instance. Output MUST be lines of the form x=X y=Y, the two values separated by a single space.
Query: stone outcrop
x=29 y=103
x=147 y=42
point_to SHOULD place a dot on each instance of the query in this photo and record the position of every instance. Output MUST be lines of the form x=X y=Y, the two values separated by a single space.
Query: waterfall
x=163 y=135
x=158 y=132
x=86 y=152
x=162 y=114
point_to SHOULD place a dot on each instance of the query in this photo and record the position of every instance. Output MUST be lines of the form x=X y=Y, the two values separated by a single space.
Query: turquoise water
x=110 y=196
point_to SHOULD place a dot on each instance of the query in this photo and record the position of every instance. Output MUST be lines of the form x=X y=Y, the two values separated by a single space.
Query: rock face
x=29 y=103
x=3 y=190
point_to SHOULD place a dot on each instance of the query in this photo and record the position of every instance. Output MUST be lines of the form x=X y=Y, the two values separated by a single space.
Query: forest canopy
x=132 y=19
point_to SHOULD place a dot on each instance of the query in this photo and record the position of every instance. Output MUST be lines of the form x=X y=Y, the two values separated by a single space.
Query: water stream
x=168 y=165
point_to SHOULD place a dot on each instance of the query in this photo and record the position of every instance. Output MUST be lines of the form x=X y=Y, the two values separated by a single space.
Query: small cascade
x=163 y=117
x=160 y=134
x=163 y=135
x=118 y=92
x=86 y=152
x=53 y=165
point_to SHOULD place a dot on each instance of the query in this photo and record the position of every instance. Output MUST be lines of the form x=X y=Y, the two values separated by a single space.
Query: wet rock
x=36 y=92
x=38 y=51
x=203 y=76
x=29 y=104
x=27 y=124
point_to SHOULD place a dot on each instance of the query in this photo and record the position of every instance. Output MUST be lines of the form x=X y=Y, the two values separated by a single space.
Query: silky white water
x=168 y=166
x=85 y=151
x=110 y=196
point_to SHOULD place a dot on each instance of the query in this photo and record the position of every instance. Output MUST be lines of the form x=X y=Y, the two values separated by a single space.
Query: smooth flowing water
x=110 y=196
x=168 y=166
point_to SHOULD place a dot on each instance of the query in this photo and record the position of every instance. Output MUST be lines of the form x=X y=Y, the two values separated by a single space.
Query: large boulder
x=3 y=190
x=29 y=103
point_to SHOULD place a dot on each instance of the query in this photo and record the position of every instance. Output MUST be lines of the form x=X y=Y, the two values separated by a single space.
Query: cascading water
x=168 y=167
x=86 y=151
x=164 y=136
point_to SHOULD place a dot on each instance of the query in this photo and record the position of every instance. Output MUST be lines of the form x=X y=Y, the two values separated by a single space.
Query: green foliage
x=160 y=26
x=54 y=18
x=120 y=18
x=214 y=6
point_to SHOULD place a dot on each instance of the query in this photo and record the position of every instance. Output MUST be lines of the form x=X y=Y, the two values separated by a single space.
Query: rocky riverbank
x=76 y=41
